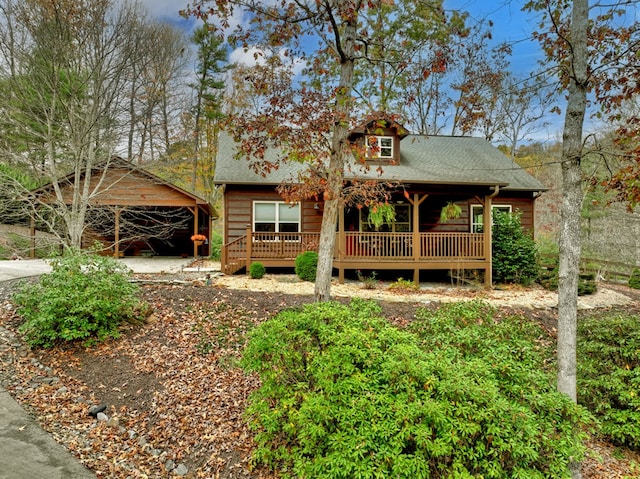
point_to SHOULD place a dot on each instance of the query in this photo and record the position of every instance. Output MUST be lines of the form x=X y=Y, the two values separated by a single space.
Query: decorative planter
x=198 y=242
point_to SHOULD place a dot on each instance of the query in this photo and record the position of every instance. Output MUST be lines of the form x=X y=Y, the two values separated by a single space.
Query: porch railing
x=401 y=245
x=357 y=245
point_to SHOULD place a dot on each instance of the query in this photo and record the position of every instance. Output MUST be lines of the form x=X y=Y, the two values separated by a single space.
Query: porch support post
x=195 y=230
x=416 y=202
x=342 y=245
x=116 y=234
x=249 y=252
x=488 y=226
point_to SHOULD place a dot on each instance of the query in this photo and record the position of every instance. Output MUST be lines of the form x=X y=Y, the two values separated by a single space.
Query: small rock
x=156 y=452
x=97 y=409
x=113 y=422
x=102 y=417
x=181 y=470
x=132 y=433
x=169 y=465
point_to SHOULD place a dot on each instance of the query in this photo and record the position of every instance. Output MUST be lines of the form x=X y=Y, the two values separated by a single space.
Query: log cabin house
x=434 y=171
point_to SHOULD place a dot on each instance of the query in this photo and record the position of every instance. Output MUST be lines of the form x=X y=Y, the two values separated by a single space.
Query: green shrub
x=306 y=265
x=634 y=280
x=586 y=282
x=345 y=394
x=609 y=375
x=515 y=258
x=85 y=297
x=215 y=246
x=257 y=270
x=402 y=285
x=368 y=282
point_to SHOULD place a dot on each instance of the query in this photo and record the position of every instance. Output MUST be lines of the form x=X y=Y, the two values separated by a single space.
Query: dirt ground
x=173 y=394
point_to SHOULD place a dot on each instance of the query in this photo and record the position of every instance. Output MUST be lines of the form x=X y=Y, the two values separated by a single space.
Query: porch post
x=249 y=252
x=416 y=237
x=342 y=245
x=195 y=230
x=488 y=227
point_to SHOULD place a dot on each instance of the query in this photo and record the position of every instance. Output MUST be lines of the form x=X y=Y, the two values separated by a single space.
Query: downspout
x=488 y=279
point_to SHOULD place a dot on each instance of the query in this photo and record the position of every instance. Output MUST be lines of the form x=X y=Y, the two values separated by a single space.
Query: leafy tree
x=596 y=56
x=207 y=112
x=309 y=123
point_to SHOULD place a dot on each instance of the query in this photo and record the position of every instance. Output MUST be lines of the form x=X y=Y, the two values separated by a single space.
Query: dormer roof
x=378 y=123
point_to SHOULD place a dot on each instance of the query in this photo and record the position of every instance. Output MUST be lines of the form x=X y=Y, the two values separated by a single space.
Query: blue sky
x=510 y=24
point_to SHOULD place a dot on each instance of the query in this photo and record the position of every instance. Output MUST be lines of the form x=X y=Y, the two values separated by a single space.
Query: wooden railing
x=234 y=255
x=357 y=245
x=400 y=245
x=452 y=245
x=282 y=245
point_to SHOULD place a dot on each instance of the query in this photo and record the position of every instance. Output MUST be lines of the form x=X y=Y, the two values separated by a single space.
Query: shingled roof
x=436 y=160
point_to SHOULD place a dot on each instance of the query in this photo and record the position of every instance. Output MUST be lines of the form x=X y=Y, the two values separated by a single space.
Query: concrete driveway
x=16 y=269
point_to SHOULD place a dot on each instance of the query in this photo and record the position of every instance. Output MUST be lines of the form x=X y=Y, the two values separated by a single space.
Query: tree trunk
x=571 y=206
x=339 y=152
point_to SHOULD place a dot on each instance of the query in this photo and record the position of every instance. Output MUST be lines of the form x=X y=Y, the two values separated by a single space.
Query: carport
x=133 y=212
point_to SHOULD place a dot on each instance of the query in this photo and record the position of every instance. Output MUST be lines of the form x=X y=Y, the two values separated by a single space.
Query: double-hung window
x=477 y=215
x=276 y=217
x=380 y=147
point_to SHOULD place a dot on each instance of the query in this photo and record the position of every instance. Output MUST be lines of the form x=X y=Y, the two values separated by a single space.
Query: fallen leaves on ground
x=174 y=391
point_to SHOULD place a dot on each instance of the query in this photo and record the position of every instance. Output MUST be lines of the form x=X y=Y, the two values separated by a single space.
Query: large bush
x=609 y=375
x=344 y=394
x=306 y=265
x=85 y=297
x=515 y=258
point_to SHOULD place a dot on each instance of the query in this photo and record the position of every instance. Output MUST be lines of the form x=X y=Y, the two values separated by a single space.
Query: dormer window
x=380 y=147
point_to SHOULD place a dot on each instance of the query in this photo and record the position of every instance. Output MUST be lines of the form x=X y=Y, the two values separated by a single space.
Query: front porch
x=364 y=250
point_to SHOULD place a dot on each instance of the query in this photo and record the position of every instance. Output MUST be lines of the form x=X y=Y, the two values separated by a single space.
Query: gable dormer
x=377 y=139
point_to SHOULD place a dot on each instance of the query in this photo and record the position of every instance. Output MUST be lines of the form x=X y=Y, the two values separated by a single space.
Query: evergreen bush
x=515 y=258
x=85 y=297
x=215 y=246
x=257 y=270
x=609 y=375
x=345 y=394
x=306 y=265
x=634 y=280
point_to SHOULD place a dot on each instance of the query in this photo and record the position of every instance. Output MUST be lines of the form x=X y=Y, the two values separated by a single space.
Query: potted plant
x=450 y=211
x=381 y=213
x=198 y=239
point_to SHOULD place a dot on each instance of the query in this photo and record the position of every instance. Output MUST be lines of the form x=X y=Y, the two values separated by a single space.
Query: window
x=477 y=215
x=401 y=224
x=276 y=217
x=380 y=147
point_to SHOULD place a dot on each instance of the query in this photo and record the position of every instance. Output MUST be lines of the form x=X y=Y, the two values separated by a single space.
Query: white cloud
x=255 y=56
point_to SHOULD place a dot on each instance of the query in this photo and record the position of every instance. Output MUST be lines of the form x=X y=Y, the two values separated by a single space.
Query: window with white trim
x=477 y=215
x=380 y=147
x=401 y=223
x=276 y=217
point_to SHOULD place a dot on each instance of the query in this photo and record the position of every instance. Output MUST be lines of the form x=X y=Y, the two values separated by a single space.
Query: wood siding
x=238 y=209
x=125 y=187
